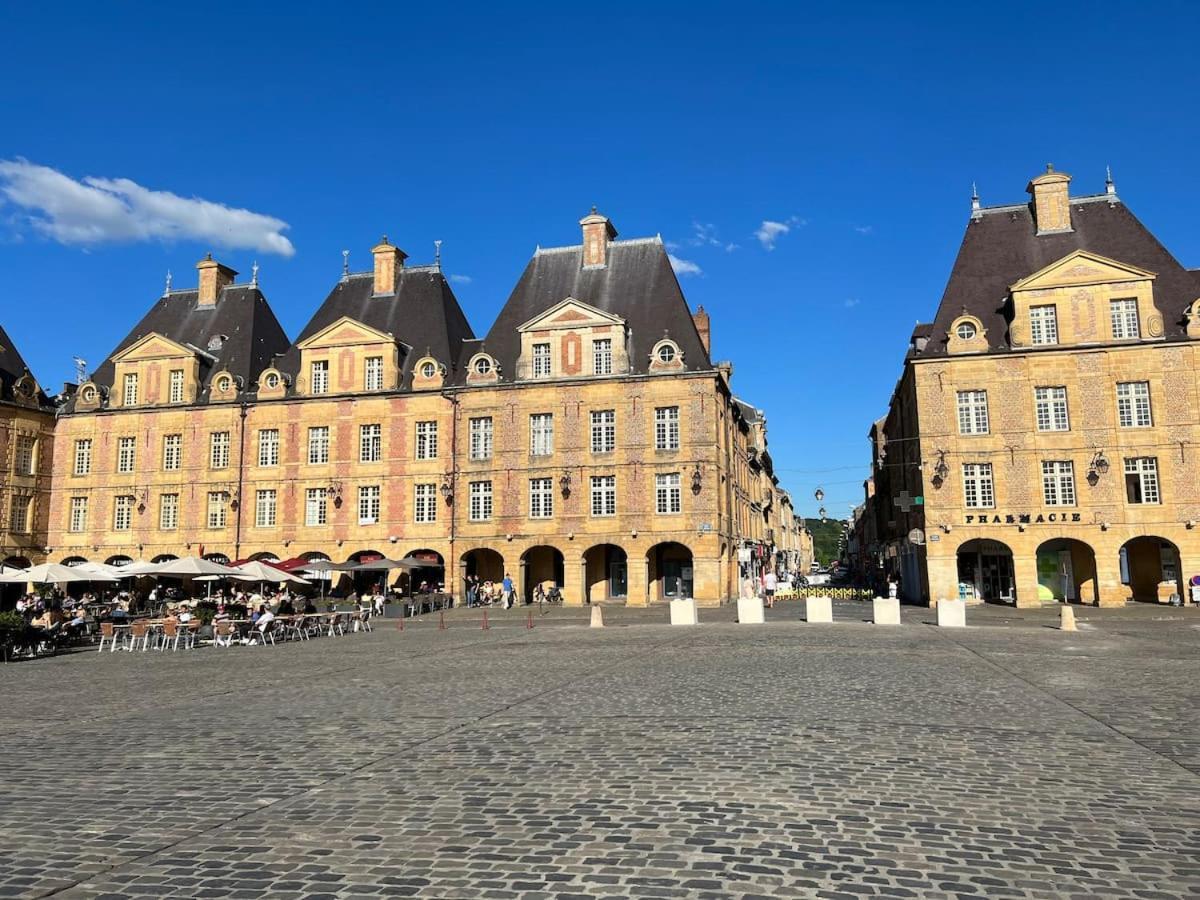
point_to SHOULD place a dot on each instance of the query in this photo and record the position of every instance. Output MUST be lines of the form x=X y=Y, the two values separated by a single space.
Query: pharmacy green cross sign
x=907 y=501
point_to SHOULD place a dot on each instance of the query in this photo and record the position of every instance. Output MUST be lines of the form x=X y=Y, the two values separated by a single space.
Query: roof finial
x=976 y=212
x=254 y=274
x=167 y=289
x=1049 y=168
x=80 y=370
x=437 y=255
x=594 y=209
x=1110 y=186
x=345 y=265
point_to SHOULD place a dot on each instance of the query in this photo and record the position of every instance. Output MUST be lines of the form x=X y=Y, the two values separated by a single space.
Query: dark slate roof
x=1002 y=247
x=423 y=313
x=12 y=367
x=253 y=336
x=637 y=284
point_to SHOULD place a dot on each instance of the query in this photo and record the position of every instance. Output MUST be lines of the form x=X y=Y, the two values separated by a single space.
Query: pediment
x=1080 y=268
x=154 y=346
x=345 y=332
x=570 y=313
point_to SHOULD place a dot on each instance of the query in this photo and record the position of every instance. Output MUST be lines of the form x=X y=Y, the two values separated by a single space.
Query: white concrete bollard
x=750 y=611
x=597 y=617
x=952 y=613
x=683 y=612
x=1067 y=622
x=818 y=610
x=886 y=611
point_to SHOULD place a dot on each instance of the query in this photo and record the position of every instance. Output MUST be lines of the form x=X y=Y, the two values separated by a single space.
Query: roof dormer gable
x=1080 y=268
x=155 y=346
x=345 y=332
x=570 y=313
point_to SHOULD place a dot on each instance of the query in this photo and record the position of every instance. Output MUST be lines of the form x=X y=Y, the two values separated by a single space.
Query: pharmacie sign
x=1023 y=518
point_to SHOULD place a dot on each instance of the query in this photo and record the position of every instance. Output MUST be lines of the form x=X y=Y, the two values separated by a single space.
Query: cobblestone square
x=1007 y=759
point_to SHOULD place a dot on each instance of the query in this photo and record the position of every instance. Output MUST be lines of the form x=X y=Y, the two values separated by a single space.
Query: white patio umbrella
x=189 y=567
x=52 y=573
x=260 y=571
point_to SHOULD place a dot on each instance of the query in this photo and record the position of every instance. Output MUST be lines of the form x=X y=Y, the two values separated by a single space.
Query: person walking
x=769 y=584
x=507 y=591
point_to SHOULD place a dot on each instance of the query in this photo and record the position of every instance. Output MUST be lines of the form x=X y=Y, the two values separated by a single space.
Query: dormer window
x=541 y=360
x=428 y=370
x=271 y=382
x=1043 y=325
x=1124 y=319
x=224 y=384
x=602 y=356
x=666 y=353
x=965 y=331
x=319 y=373
x=88 y=395
x=373 y=374
x=483 y=366
x=176 y=386
x=130 y=395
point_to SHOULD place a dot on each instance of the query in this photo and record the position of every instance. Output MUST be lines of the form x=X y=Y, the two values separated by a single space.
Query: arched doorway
x=484 y=564
x=1150 y=566
x=219 y=558
x=118 y=561
x=540 y=565
x=985 y=572
x=433 y=573
x=1066 y=570
x=670 y=571
x=606 y=574
x=164 y=557
x=365 y=582
x=73 y=561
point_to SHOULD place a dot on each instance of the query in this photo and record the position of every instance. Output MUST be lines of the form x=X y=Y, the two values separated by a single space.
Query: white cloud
x=771 y=231
x=461 y=279
x=684 y=266
x=864 y=229
x=117 y=210
x=851 y=302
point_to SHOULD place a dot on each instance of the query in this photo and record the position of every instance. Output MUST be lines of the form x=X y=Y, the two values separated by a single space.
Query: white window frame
x=373 y=373
x=541 y=434
x=1058 y=482
x=481 y=446
x=425 y=503
x=79 y=514
x=1123 y=313
x=1043 y=325
x=668 y=493
x=129 y=393
x=541 y=360
x=168 y=512
x=1050 y=409
x=979 y=488
x=25 y=455
x=1145 y=470
x=266 y=508
x=541 y=498
x=973 y=412
x=602 y=356
x=1133 y=404
x=123 y=512
x=217 y=514
x=370 y=504
x=172 y=452
x=666 y=428
x=218 y=450
x=18 y=513
x=480 y=501
x=427 y=440
x=83 y=456
x=316 y=507
x=604 y=430
x=318 y=376
x=604 y=496
x=370 y=443
x=126 y=454
x=318 y=445
x=176 y=388
x=268 y=447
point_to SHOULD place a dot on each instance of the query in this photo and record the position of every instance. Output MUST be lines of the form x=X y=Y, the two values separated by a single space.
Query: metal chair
x=139 y=631
x=108 y=633
x=170 y=635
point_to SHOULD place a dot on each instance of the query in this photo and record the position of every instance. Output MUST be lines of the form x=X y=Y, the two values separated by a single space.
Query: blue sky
x=857 y=127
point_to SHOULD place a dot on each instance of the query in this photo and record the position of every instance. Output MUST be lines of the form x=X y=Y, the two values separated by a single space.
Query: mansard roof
x=423 y=314
x=1001 y=247
x=12 y=369
x=252 y=336
x=636 y=284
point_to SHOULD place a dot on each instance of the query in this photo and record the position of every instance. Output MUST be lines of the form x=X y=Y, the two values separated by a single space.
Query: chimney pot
x=597 y=232
x=1051 y=201
x=214 y=278
x=389 y=259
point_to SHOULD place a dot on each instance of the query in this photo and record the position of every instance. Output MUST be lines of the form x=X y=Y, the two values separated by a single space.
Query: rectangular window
x=319 y=376
x=268 y=447
x=130 y=396
x=604 y=431
x=972 y=412
x=1043 y=325
x=427 y=440
x=373 y=373
x=1058 y=483
x=122 y=513
x=79 y=510
x=480 y=509
x=481 y=438
x=368 y=504
x=604 y=495
x=370 y=443
x=218 y=450
x=426 y=503
x=541 y=434
x=541 y=360
x=1133 y=404
x=666 y=428
x=602 y=356
x=668 y=497
x=83 y=456
x=172 y=452
x=541 y=498
x=168 y=512
x=216 y=509
x=18 y=518
x=264 y=509
x=978 y=491
x=1050 y=404
x=23 y=455
x=1124 y=319
x=176 y=385
x=126 y=454
x=318 y=445
x=316 y=508
x=1141 y=480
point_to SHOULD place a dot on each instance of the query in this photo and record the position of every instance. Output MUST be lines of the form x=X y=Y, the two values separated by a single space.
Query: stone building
x=587 y=439
x=1039 y=442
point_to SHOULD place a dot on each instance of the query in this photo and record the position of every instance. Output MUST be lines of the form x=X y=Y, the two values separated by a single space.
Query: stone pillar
x=1025 y=577
x=1108 y=578
x=706 y=586
x=943 y=577
x=639 y=581
x=575 y=587
x=521 y=586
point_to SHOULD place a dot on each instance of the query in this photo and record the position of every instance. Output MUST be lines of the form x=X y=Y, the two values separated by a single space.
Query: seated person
x=286 y=607
x=185 y=613
x=309 y=607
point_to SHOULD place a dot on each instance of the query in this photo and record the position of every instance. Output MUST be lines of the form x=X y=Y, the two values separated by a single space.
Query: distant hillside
x=825 y=539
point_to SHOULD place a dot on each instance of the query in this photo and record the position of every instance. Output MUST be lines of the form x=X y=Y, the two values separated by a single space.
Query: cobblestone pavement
x=786 y=760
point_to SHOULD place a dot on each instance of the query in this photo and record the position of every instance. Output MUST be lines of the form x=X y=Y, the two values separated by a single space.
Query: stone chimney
x=700 y=317
x=1051 y=204
x=597 y=232
x=214 y=278
x=389 y=260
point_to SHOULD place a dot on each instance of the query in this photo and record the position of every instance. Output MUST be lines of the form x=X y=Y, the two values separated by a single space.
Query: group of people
x=482 y=592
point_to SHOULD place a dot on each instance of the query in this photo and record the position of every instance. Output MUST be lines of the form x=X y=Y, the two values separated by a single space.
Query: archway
x=1150 y=566
x=1066 y=570
x=118 y=561
x=73 y=561
x=483 y=563
x=540 y=565
x=164 y=557
x=606 y=575
x=10 y=593
x=670 y=571
x=985 y=572
x=219 y=558
x=265 y=556
x=365 y=582
x=433 y=574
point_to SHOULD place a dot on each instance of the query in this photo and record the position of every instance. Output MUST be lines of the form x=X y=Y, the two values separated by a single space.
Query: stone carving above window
x=272 y=384
x=573 y=339
x=428 y=374
x=966 y=335
x=483 y=369
x=666 y=357
x=224 y=386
